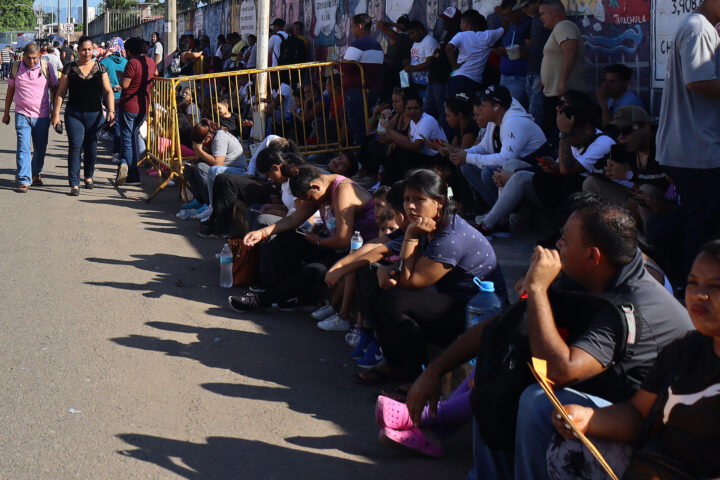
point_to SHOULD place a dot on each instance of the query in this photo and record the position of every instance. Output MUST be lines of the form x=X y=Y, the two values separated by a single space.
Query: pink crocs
x=392 y=414
x=413 y=439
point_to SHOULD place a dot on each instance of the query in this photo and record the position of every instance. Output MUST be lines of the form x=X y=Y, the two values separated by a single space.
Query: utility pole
x=171 y=33
x=85 y=17
x=263 y=35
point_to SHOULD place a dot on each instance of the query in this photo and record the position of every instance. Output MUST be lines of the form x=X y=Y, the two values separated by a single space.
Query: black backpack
x=502 y=371
x=292 y=51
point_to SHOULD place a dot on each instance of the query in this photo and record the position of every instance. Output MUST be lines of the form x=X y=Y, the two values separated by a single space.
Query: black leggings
x=405 y=321
x=230 y=189
x=297 y=267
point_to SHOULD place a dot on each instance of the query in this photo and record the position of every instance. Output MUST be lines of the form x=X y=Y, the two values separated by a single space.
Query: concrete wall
x=633 y=32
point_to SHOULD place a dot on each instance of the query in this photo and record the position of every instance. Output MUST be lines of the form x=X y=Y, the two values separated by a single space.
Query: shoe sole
x=333 y=329
x=122 y=175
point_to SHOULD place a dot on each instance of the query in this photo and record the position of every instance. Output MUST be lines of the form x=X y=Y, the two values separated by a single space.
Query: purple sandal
x=412 y=439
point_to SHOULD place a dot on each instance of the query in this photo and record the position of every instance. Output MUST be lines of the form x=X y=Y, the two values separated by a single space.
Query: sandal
x=412 y=439
x=374 y=376
x=23 y=188
x=399 y=394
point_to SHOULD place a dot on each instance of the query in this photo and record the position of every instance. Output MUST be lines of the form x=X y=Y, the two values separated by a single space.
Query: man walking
x=538 y=38
x=688 y=137
x=7 y=56
x=29 y=85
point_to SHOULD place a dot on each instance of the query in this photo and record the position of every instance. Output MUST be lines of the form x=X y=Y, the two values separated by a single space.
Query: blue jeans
x=6 y=70
x=27 y=129
x=117 y=140
x=480 y=179
x=82 y=130
x=535 y=98
x=129 y=153
x=435 y=100
x=355 y=109
x=217 y=170
x=461 y=83
x=516 y=85
x=532 y=437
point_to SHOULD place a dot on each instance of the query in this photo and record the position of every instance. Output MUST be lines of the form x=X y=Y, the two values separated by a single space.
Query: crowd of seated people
x=429 y=191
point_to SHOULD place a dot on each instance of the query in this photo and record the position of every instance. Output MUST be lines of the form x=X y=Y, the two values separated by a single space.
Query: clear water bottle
x=356 y=241
x=226 y=260
x=329 y=218
x=482 y=306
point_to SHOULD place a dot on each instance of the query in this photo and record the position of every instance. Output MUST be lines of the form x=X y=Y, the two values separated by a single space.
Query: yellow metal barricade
x=304 y=103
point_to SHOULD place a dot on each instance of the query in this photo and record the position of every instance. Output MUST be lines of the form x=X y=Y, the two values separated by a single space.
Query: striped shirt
x=7 y=55
x=369 y=53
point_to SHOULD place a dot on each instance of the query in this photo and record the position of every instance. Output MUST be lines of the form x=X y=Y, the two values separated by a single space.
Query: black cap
x=497 y=94
x=278 y=22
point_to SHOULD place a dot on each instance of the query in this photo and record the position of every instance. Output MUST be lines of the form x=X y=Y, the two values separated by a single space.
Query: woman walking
x=86 y=81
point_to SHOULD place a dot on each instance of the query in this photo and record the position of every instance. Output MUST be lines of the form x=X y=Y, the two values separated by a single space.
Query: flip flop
x=373 y=376
x=412 y=439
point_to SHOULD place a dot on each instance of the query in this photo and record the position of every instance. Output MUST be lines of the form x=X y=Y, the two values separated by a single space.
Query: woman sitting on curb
x=302 y=259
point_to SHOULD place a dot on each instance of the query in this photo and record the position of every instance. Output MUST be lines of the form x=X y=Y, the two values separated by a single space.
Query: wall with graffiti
x=633 y=32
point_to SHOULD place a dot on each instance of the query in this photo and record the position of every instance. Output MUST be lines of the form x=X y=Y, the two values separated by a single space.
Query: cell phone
x=304 y=234
x=399 y=266
x=549 y=166
x=59 y=128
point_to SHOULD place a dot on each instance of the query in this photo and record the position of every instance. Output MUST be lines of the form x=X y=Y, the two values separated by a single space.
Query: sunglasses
x=629 y=130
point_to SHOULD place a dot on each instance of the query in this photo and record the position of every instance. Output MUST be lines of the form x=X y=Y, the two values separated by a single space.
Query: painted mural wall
x=636 y=33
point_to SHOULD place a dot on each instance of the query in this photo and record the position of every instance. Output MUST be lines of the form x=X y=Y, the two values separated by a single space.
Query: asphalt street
x=120 y=359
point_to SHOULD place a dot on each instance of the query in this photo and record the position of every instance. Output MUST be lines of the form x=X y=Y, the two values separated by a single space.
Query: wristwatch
x=564 y=135
x=629 y=175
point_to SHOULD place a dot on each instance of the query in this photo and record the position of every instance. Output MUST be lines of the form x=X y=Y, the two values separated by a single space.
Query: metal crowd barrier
x=296 y=108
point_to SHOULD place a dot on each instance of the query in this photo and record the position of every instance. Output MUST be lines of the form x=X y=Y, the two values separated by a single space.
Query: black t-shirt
x=185 y=128
x=68 y=55
x=661 y=320
x=232 y=124
x=400 y=51
x=538 y=37
x=690 y=429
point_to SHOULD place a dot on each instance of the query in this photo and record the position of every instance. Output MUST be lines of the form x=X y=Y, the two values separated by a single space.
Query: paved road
x=119 y=359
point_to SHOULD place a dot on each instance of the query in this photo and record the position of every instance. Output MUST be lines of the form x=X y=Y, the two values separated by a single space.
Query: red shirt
x=140 y=71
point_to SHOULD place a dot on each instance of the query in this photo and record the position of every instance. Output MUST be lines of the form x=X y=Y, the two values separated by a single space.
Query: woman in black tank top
x=86 y=81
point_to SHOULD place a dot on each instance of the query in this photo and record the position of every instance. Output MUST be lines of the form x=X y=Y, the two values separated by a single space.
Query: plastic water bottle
x=226 y=260
x=482 y=306
x=356 y=241
x=329 y=218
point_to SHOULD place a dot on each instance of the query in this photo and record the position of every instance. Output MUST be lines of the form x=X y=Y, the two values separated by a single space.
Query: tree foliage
x=13 y=17
x=117 y=4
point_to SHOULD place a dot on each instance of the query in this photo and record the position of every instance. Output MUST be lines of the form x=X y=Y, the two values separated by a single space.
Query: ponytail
x=301 y=179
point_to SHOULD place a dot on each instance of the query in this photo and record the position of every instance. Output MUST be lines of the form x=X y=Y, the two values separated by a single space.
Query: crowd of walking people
x=469 y=137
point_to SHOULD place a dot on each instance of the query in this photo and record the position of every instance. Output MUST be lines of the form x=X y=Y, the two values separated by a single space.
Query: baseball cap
x=450 y=13
x=497 y=94
x=517 y=6
x=278 y=22
x=630 y=115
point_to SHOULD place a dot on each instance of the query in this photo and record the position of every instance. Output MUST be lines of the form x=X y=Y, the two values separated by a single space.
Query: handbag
x=245 y=262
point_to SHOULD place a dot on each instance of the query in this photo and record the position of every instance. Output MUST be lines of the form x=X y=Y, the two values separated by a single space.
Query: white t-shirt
x=519 y=135
x=252 y=59
x=473 y=51
x=418 y=54
x=594 y=152
x=286 y=93
x=287 y=197
x=252 y=166
x=427 y=127
x=274 y=46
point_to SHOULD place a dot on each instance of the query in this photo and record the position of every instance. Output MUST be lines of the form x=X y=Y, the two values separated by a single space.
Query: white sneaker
x=334 y=324
x=323 y=312
x=200 y=212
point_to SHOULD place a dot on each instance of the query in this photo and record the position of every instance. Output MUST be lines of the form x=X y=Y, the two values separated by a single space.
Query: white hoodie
x=519 y=134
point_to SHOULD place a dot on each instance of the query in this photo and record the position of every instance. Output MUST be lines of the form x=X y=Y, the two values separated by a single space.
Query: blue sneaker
x=359 y=351
x=192 y=204
x=372 y=358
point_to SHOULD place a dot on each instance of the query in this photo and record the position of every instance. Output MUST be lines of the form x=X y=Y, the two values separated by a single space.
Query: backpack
x=292 y=51
x=43 y=68
x=502 y=373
